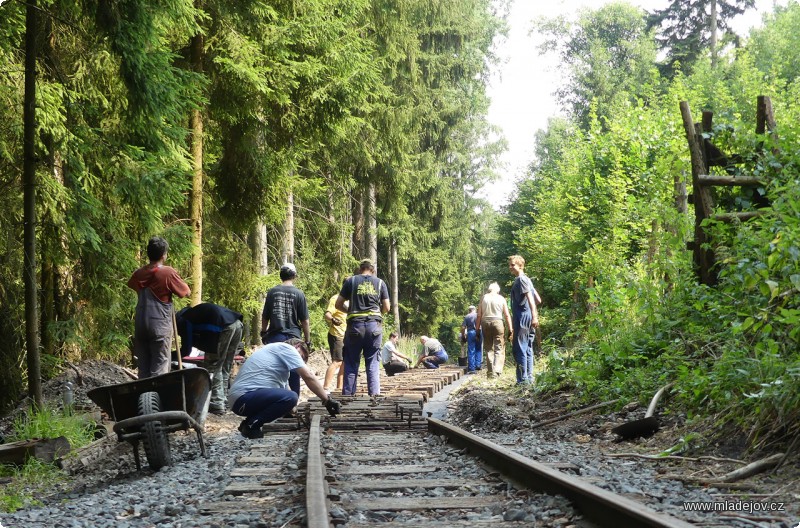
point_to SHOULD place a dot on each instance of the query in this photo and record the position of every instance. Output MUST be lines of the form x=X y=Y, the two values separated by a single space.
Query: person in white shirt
x=391 y=358
x=261 y=391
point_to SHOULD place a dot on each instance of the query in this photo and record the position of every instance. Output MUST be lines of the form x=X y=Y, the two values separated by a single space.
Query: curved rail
x=600 y=506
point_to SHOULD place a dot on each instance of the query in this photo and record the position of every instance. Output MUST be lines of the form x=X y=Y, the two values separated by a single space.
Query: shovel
x=646 y=426
x=177 y=339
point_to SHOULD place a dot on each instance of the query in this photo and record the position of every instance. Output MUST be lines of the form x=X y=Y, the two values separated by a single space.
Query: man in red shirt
x=155 y=284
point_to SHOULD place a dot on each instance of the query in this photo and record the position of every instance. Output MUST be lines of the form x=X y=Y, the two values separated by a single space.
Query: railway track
x=381 y=462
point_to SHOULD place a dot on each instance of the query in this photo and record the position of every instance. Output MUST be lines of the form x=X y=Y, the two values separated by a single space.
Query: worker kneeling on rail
x=261 y=391
x=433 y=353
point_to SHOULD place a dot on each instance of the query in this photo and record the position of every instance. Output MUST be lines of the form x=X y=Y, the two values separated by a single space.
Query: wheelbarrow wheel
x=156 y=442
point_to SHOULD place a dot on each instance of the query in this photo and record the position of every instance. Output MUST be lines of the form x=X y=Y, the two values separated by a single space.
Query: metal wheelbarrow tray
x=148 y=409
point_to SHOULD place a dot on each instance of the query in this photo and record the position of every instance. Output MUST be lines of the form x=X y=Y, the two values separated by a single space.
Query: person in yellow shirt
x=337 y=324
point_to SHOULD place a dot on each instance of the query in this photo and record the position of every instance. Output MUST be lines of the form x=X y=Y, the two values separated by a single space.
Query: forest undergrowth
x=603 y=221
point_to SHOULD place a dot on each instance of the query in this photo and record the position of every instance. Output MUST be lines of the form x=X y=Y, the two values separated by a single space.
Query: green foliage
x=159 y=93
x=685 y=33
x=313 y=99
x=597 y=224
x=436 y=152
x=408 y=346
x=609 y=54
x=11 y=356
x=34 y=479
x=772 y=46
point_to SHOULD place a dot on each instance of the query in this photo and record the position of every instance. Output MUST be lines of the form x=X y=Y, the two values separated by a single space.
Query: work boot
x=249 y=432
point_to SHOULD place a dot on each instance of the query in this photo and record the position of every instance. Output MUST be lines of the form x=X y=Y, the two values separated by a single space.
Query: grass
x=409 y=346
x=36 y=478
x=51 y=423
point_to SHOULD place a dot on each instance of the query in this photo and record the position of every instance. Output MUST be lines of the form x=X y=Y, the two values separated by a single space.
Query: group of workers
x=484 y=324
x=267 y=386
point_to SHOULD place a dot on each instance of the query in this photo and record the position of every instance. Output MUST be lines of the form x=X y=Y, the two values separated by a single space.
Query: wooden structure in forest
x=704 y=155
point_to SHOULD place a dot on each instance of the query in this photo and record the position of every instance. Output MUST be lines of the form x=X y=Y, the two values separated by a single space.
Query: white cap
x=289 y=267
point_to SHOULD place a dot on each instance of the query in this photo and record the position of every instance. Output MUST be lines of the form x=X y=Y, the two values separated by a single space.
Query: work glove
x=333 y=407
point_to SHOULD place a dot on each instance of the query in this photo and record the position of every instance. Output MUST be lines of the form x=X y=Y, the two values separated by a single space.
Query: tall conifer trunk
x=29 y=208
x=335 y=232
x=713 y=29
x=288 y=230
x=358 y=222
x=51 y=236
x=371 y=224
x=395 y=284
x=259 y=247
x=196 y=197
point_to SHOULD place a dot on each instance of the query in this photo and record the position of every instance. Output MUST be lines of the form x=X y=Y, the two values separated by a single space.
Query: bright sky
x=522 y=89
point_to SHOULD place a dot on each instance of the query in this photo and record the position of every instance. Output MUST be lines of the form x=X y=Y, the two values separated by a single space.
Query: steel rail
x=316 y=502
x=600 y=506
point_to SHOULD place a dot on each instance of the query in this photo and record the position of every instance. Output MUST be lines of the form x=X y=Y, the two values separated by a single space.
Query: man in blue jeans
x=433 y=353
x=261 y=391
x=369 y=300
x=469 y=335
x=525 y=319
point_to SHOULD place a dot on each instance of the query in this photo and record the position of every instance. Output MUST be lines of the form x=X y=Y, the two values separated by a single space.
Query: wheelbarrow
x=148 y=409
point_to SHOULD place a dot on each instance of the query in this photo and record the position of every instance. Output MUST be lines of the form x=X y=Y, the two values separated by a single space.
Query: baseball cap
x=289 y=267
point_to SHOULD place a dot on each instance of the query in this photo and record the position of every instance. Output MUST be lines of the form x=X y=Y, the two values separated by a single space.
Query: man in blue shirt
x=469 y=334
x=217 y=331
x=525 y=319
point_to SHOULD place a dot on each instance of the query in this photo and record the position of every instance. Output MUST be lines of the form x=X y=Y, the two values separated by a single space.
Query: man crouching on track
x=261 y=391
x=433 y=353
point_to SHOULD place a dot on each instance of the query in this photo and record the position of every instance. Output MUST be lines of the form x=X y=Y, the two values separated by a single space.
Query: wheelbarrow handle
x=652 y=408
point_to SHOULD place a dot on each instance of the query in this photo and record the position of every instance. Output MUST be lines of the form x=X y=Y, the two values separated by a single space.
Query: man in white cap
x=285 y=315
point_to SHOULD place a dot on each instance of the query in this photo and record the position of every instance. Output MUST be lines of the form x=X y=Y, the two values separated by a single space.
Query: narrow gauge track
x=381 y=462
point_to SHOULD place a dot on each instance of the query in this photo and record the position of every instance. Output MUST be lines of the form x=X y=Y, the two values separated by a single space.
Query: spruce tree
x=687 y=29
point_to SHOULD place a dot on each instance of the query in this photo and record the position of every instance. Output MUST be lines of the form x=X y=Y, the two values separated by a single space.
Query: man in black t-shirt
x=369 y=300
x=285 y=314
